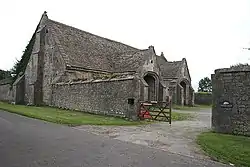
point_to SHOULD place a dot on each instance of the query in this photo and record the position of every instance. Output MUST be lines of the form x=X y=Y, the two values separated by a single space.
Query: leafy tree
x=14 y=69
x=4 y=74
x=20 y=65
x=205 y=85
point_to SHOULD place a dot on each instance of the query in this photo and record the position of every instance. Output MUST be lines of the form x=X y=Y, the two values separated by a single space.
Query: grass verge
x=226 y=148
x=67 y=117
x=75 y=118
x=194 y=108
x=176 y=116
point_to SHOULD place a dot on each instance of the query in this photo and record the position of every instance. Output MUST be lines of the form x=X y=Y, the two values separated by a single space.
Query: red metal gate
x=155 y=110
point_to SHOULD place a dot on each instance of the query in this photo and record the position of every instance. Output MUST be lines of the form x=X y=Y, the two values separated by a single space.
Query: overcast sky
x=210 y=34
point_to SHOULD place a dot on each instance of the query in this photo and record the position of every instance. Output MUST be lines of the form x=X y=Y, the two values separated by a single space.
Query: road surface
x=179 y=138
x=26 y=142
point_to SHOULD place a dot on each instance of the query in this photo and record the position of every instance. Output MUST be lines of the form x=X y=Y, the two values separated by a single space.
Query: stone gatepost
x=231 y=95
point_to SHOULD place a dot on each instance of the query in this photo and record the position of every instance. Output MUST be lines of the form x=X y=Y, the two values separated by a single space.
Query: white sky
x=210 y=34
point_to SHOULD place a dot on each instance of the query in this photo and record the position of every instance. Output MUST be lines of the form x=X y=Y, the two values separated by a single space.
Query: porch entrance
x=184 y=95
x=151 y=87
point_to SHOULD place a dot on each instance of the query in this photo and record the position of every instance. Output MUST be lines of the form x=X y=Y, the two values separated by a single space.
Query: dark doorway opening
x=184 y=86
x=151 y=87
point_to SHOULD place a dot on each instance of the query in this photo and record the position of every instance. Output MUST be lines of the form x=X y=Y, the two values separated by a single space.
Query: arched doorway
x=151 y=87
x=184 y=86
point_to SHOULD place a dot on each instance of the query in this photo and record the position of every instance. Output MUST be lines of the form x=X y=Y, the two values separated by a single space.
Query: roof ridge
x=93 y=34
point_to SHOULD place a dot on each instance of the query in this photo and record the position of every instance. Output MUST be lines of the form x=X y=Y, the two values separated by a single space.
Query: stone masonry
x=74 y=69
x=99 y=96
x=231 y=105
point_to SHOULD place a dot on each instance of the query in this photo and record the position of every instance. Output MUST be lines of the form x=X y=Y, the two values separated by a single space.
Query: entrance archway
x=151 y=87
x=184 y=86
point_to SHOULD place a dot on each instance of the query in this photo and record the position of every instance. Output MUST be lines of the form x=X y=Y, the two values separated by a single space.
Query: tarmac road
x=26 y=142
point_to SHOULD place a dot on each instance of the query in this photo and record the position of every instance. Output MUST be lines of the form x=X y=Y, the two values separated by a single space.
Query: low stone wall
x=116 y=97
x=231 y=95
x=203 y=98
x=6 y=94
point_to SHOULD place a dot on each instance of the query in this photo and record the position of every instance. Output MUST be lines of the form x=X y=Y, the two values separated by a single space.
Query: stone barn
x=74 y=69
x=231 y=100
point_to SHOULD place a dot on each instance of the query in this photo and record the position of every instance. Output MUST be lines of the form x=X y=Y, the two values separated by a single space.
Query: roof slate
x=87 y=50
x=169 y=69
x=129 y=61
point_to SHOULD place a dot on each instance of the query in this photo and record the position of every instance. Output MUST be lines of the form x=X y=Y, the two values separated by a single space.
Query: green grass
x=67 y=117
x=75 y=118
x=176 y=116
x=194 y=108
x=226 y=148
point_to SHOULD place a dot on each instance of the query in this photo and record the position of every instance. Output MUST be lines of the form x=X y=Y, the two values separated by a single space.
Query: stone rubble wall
x=6 y=94
x=109 y=97
x=231 y=101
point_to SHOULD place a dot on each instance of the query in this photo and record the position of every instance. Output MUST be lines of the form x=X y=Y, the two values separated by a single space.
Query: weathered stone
x=99 y=97
x=6 y=93
x=230 y=112
x=74 y=69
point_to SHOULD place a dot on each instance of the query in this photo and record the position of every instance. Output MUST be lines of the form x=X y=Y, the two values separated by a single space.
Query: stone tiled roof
x=83 y=49
x=169 y=69
x=129 y=61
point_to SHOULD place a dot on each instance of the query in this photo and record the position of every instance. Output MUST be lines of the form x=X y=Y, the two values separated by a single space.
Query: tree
x=20 y=65
x=4 y=74
x=14 y=69
x=205 y=85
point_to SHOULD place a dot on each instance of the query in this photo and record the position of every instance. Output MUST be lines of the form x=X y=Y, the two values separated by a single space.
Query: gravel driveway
x=178 y=138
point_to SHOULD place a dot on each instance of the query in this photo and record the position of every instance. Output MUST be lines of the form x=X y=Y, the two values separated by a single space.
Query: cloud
x=209 y=34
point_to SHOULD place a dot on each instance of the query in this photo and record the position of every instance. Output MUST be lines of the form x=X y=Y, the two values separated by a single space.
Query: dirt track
x=178 y=138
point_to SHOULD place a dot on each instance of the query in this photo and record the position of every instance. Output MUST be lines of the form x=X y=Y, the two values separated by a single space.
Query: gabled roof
x=83 y=49
x=169 y=69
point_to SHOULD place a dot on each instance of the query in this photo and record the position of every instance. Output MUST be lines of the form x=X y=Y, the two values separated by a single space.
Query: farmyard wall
x=231 y=100
x=110 y=97
x=6 y=93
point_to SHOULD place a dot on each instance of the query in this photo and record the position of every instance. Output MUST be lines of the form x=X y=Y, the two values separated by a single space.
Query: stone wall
x=231 y=95
x=6 y=94
x=111 y=97
x=54 y=69
x=203 y=98
x=31 y=73
x=18 y=90
x=191 y=97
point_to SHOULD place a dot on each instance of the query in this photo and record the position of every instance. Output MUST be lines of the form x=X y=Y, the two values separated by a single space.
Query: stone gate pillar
x=231 y=95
